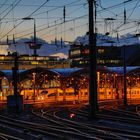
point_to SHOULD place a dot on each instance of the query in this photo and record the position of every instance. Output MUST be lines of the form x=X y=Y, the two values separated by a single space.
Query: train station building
x=70 y=83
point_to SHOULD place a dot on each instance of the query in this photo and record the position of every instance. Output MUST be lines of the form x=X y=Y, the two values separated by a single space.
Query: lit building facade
x=106 y=55
x=28 y=62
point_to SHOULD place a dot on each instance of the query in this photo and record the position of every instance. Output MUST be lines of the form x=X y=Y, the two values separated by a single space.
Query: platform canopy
x=66 y=72
x=119 y=70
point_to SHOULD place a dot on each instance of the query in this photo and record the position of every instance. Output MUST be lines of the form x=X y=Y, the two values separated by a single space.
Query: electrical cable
x=110 y=7
x=60 y=18
x=14 y=5
x=23 y=20
x=3 y=4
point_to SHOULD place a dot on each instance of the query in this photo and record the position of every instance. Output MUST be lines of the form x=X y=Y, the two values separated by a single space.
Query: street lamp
x=33 y=45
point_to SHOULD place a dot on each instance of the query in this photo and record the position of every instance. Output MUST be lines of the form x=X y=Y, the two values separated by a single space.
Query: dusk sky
x=49 y=16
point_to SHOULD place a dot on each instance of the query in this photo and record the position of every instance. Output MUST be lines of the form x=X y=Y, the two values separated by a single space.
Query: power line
x=57 y=24
x=116 y=5
x=58 y=20
x=23 y=20
x=136 y=6
x=133 y=10
x=3 y=3
x=32 y=14
x=36 y=5
x=52 y=22
x=12 y=7
x=5 y=9
x=56 y=8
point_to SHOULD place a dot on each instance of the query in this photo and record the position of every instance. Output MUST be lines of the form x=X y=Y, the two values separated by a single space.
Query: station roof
x=8 y=73
x=119 y=70
x=66 y=72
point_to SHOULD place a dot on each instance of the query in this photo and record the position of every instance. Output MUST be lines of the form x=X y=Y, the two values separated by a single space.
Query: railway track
x=138 y=110
x=128 y=128
x=101 y=130
x=66 y=129
x=56 y=123
x=88 y=130
x=54 y=131
x=118 y=115
x=27 y=130
x=4 y=136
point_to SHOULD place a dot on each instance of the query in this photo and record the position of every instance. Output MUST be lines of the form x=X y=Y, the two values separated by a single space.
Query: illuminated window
x=85 y=51
x=80 y=62
x=100 y=51
x=46 y=58
x=39 y=58
x=31 y=58
x=114 y=61
x=24 y=58
x=86 y=62
x=34 y=62
x=101 y=61
x=75 y=52
x=8 y=58
x=1 y=57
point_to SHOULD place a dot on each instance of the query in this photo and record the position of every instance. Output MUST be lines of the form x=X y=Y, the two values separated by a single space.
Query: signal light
x=72 y=115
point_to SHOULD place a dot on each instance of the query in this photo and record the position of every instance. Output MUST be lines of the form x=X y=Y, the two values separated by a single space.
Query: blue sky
x=51 y=14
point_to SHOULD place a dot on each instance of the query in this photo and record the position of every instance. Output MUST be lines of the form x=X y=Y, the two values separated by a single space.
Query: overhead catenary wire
x=51 y=24
x=36 y=5
x=9 y=6
x=3 y=4
x=55 y=25
x=59 y=7
x=122 y=23
x=12 y=7
x=23 y=20
x=28 y=16
x=59 y=22
x=138 y=1
x=122 y=3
